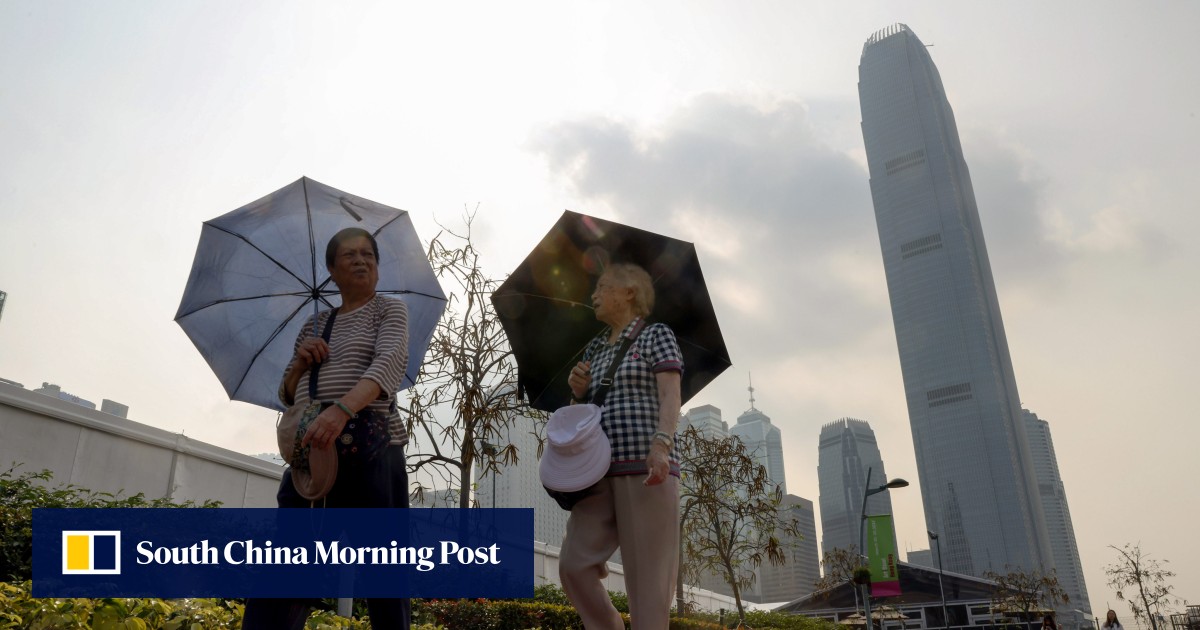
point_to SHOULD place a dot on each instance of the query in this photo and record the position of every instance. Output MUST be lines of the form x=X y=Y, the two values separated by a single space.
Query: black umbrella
x=545 y=306
x=260 y=272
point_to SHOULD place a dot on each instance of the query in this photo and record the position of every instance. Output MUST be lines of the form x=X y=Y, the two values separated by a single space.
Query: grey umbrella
x=259 y=273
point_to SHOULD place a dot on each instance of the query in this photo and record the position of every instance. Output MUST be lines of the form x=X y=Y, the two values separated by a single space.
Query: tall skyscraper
x=973 y=459
x=763 y=441
x=846 y=450
x=707 y=420
x=1058 y=515
x=800 y=571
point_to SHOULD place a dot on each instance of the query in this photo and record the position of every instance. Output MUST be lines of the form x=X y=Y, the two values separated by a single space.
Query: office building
x=977 y=483
x=707 y=420
x=1058 y=517
x=802 y=567
x=846 y=451
x=763 y=442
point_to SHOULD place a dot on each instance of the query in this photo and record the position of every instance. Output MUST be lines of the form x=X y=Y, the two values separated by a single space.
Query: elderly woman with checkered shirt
x=636 y=505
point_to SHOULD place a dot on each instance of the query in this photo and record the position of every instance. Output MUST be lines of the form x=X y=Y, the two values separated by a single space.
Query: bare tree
x=466 y=393
x=1026 y=593
x=730 y=520
x=1136 y=570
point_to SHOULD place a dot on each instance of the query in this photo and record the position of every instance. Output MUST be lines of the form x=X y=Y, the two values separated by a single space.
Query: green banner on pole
x=881 y=556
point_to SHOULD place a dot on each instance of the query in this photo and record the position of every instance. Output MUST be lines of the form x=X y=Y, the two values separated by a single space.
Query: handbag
x=567 y=500
x=363 y=438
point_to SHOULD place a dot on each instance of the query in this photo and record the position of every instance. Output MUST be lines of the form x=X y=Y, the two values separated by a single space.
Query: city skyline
x=977 y=476
x=737 y=128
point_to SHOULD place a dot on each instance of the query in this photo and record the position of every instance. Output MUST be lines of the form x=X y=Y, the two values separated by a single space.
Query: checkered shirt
x=631 y=409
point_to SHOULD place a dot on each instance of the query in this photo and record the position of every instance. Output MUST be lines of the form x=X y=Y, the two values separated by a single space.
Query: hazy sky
x=125 y=125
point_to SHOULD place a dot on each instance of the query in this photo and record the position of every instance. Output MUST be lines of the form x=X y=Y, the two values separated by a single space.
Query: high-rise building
x=520 y=485
x=707 y=420
x=1058 y=516
x=846 y=450
x=977 y=481
x=763 y=442
x=802 y=567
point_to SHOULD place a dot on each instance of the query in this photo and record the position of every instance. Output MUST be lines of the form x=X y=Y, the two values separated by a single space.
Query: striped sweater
x=369 y=342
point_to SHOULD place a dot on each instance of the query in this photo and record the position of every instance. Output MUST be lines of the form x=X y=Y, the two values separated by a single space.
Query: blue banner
x=262 y=552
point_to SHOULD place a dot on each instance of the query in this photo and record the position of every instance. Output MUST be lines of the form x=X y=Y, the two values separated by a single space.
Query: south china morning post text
x=238 y=552
x=259 y=552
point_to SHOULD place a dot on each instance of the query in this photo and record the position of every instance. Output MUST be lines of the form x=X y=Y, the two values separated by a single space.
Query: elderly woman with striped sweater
x=361 y=367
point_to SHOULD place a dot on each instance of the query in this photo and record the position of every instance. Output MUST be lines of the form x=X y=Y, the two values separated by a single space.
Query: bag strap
x=312 y=378
x=607 y=382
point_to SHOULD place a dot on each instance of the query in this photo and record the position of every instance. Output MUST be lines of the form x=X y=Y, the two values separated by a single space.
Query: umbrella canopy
x=260 y=272
x=545 y=306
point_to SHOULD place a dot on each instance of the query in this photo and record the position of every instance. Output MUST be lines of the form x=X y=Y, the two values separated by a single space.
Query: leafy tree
x=1024 y=593
x=839 y=565
x=1135 y=569
x=469 y=373
x=729 y=514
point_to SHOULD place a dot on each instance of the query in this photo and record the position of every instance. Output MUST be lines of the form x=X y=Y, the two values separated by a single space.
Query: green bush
x=691 y=623
x=21 y=493
x=19 y=610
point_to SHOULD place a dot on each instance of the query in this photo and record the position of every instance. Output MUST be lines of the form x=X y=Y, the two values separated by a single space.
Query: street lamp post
x=862 y=541
x=945 y=615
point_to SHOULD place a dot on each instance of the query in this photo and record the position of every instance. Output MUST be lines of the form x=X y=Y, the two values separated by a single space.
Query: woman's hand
x=658 y=463
x=310 y=351
x=580 y=379
x=326 y=428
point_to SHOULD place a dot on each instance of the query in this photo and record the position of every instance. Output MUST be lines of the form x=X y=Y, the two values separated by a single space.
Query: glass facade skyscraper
x=977 y=480
x=764 y=443
x=1058 y=519
x=847 y=448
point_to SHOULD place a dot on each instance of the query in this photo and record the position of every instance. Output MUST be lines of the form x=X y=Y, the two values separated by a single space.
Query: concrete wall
x=104 y=453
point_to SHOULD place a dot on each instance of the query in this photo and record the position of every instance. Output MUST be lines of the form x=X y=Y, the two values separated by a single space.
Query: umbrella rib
x=410 y=292
x=390 y=221
x=540 y=297
x=273 y=335
x=259 y=250
x=306 y=294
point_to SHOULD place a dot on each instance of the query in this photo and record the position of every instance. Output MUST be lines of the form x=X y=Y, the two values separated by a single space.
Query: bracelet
x=664 y=437
x=341 y=405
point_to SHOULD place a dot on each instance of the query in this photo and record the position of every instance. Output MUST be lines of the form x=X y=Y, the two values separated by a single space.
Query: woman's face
x=1112 y=616
x=354 y=266
x=610 y=300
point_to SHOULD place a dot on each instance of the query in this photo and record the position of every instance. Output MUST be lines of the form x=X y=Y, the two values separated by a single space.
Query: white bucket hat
x=577 y=453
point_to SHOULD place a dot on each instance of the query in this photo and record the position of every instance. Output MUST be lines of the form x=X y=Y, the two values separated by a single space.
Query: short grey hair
x=631 y=276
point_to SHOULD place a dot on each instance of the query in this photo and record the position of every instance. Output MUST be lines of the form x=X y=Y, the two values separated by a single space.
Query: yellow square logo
x=91 y=552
